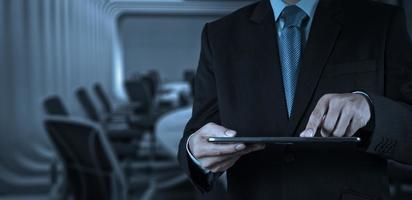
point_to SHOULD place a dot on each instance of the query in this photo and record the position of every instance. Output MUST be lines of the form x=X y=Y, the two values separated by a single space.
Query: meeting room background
x=117 y=76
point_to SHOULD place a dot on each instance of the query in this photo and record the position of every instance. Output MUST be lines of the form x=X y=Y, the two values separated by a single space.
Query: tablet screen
x=284 y=140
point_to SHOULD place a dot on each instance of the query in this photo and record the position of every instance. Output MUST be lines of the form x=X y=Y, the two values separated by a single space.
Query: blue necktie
x=291 y=43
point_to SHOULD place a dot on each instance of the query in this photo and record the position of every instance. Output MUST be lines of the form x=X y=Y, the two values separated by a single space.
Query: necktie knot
x=293 y=16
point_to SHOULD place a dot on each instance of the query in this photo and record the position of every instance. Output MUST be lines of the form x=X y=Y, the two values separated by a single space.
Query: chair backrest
x=154 y=75
x=103 y=98
x=189 y=77
x=54 y=106
x=138 y=92
x=91 y=167
x=87 y=104
x=151 y=82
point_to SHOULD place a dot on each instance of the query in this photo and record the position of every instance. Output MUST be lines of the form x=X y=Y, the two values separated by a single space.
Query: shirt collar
x=308 y=6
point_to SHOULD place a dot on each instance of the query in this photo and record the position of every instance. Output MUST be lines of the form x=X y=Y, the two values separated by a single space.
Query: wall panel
x=165 y=35
x=47 y=47
x=50 y=47
x=169 y=43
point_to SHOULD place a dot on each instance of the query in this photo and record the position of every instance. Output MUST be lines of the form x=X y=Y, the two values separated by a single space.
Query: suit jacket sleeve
x=392 y=135
x=205 y=110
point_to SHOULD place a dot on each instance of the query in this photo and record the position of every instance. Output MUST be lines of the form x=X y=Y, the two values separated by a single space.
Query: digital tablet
x=285 y=140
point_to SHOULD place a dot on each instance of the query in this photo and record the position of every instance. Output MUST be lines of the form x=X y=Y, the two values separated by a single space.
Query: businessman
x=302 y=68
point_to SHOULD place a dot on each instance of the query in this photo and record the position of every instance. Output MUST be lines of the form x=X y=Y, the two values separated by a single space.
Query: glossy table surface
x=169 y=128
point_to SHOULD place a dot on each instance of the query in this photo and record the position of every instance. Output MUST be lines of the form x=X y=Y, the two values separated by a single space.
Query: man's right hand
x=217 y=157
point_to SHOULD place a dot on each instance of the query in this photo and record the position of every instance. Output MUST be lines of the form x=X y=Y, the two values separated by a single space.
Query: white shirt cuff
x=364 y=94
x=195 y=160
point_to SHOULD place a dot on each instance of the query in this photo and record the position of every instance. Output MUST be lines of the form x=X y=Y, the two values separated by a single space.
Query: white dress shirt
x=308 y=6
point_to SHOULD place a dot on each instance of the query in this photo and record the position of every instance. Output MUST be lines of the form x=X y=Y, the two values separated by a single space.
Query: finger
x=217 y=133
x=256 y=146
x=248 y=150
x=223 y=162
x=343 y=123
x=210 y=162
x=210 y=150
x=225 y=165
x=331 y=119
x=315 y=118
x=354 y=126
x=229 y=133
x=214 y=130
x=207 y=149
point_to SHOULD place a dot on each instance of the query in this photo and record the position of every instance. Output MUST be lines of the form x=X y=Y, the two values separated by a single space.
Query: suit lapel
x=266 y=52
x=324 y=32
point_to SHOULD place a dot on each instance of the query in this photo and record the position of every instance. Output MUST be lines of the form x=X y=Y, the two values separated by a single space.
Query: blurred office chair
x=141 y=114
x=93 y=114
x=137 y=126
x=107 y=107
x=91 y=111
x=144 y=88
x=54 y=106
x=153 y=78
x=142 y=91
x=91 y=166
x=189 y=77
x=138 y=92
x=120 y=113
x=103 y=98
x=93 y=170
x=88 y=106
x=122 y=134
x=146 y=116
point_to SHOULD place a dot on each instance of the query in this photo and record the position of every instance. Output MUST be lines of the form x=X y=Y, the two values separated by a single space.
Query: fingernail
x=323 y=133
x=307 y=133
x=257 y=147
x=310 y=133
x=302 y=134
x=230 y=133
x=240 y=147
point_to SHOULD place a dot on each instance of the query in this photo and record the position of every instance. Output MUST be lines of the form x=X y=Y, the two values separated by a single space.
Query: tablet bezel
x=284 y=140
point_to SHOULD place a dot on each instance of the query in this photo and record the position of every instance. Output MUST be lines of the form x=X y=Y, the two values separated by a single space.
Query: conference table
x=169 y=128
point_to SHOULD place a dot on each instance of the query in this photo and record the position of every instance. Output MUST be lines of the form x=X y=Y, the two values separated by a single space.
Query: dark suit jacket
x=354 y=45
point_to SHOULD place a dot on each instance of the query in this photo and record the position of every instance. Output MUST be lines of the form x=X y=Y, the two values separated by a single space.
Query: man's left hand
x=338 y=115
